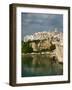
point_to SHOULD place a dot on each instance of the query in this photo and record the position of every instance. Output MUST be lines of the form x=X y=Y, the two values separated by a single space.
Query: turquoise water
x=40 y=65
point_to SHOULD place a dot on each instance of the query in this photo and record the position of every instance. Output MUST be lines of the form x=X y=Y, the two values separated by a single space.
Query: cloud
x=32 y=22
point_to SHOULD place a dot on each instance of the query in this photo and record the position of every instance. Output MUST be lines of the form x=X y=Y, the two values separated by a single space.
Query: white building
x=44 y=35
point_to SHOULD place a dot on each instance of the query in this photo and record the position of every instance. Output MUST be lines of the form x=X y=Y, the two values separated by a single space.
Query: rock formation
x=44 y=40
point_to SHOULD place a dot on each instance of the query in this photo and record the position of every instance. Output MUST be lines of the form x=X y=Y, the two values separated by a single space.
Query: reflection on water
x=40 y=65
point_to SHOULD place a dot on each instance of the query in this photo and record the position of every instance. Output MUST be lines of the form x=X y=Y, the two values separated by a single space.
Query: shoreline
x=51 y=54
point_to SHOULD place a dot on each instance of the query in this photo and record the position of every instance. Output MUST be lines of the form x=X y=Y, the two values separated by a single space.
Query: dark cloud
x=31 y=22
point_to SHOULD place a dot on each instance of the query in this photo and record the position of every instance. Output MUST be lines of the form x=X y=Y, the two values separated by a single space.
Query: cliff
x=47 y=43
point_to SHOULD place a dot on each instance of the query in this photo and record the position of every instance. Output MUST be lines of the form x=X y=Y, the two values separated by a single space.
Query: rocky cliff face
x=42 y=44
x=47 y=41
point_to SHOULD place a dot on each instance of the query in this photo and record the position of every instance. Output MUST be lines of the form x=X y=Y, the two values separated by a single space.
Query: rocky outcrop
x=42 y=44
x=45 y=41
x=57 y=52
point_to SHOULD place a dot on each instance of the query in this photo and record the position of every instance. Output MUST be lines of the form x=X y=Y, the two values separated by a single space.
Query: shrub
x=26 y=48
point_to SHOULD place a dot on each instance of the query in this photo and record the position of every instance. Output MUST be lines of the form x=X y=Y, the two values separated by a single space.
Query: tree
x=26 y=48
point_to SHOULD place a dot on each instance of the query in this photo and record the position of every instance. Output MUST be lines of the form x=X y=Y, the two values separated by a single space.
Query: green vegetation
x=26 y=48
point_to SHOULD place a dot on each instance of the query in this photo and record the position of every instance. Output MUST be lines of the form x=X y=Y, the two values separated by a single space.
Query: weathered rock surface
x=44 y=41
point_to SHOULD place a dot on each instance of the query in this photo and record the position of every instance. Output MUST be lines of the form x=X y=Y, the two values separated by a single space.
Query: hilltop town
x=46 y=42
x=44 y=35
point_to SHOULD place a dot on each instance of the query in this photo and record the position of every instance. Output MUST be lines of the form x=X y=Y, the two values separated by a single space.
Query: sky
x=38 y=22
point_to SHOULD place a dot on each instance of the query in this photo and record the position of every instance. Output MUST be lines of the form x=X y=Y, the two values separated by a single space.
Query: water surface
x=40 y=65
